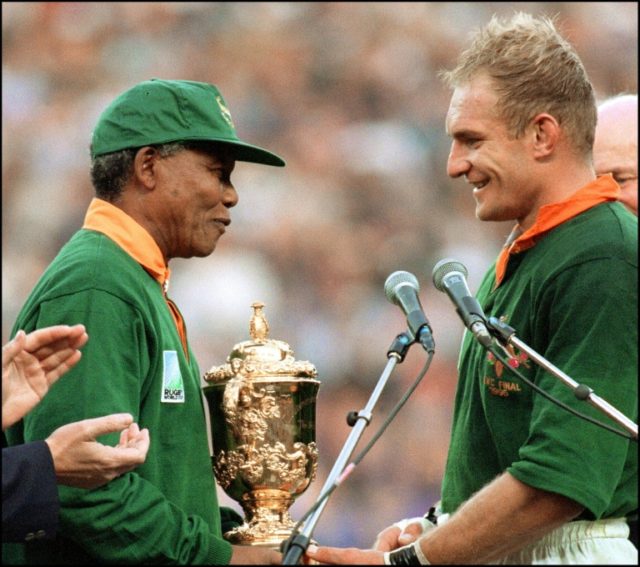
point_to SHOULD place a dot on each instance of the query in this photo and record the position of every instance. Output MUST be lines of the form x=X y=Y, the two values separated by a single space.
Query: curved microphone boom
x=401 y=288
x=449 y=276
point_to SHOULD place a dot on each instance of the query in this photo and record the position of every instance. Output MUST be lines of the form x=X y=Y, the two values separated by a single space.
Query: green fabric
x=166 y=510
x=159 y=111
x=572 y=298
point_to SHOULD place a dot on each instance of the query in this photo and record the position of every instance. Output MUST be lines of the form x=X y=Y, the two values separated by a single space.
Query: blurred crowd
x=348 y=94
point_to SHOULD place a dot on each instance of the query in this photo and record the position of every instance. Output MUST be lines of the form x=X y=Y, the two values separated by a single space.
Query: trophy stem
x=268 y=519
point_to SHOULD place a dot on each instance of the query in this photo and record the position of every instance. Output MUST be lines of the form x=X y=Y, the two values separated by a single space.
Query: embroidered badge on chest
x=504 y=383
x=172 y=384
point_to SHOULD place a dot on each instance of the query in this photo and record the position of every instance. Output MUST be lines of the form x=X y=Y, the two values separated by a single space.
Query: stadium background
x=348 y=94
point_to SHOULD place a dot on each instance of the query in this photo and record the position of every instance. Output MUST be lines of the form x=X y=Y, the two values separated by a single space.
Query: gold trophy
x=262 y=409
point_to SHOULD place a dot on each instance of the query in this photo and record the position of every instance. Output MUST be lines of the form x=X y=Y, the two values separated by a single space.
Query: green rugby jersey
x=166 y=510
x=573 y=299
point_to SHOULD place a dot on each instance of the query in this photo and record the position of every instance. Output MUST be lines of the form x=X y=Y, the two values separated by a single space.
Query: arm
x=30 y=502
x=519 y=513
x=71 y=456
x=503 y=517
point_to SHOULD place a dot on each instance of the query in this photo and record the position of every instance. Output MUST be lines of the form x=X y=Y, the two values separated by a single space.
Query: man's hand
x=248 y=555
x=345 y=556
x=401 y=533
x=80 y=461
x=397 y=535
x=32 y=363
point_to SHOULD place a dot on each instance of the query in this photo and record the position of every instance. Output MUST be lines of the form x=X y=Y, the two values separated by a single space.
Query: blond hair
x=534 y=70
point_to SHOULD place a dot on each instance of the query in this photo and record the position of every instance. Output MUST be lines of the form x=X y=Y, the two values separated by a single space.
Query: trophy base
x=251 y=535
x=259 y=535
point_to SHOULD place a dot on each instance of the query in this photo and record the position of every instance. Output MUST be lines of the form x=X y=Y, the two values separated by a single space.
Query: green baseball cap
x=162 y=111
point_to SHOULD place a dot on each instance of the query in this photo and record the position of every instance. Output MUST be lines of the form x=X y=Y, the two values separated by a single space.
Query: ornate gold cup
x=262 y=408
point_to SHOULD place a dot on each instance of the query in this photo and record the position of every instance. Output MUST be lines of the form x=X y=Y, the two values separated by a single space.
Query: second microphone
x=401 y=288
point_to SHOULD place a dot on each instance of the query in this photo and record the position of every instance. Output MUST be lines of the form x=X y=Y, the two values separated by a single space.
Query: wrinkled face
x=195 y=194
x=615 y=151
x=493 y=162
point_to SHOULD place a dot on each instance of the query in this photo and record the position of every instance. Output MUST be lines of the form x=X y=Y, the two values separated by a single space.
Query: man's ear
x=144 y=166
x=545 y=134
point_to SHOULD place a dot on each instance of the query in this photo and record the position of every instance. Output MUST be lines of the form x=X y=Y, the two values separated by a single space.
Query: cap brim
x=253 y=154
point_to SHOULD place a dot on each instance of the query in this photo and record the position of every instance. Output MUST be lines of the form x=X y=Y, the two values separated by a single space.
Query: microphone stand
x=506 y=335
x=297 y=544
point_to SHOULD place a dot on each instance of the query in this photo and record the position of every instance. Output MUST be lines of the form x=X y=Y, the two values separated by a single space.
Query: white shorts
x=603 y=542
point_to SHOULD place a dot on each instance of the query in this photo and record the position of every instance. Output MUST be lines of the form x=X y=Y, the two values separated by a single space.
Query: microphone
x=450 y=276
x=401 y=288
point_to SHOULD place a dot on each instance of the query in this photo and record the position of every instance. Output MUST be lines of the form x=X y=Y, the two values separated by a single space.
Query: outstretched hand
x=81 y=461
x=32 y=362
x=401 y=533
x=250 y=555
x=345 y=556
x=397 y=535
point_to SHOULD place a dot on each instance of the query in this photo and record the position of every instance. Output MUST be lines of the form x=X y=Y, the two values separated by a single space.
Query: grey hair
x=111 y=172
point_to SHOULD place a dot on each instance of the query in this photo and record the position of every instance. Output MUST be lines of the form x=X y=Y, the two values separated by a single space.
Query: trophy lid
x=260 y=357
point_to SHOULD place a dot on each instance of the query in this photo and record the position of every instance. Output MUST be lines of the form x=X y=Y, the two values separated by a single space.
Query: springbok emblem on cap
x=225 y=111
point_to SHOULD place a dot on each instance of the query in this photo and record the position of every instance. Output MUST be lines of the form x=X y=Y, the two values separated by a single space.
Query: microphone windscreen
x=396 y=279
x=445 y=267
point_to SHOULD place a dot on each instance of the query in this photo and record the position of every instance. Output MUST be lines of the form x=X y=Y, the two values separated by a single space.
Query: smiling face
x=497 y=165
x=192 y=197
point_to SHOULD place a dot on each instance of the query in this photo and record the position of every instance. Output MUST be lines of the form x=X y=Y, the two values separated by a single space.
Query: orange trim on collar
x=602 y=189
x=129 y=235
x=112 y=221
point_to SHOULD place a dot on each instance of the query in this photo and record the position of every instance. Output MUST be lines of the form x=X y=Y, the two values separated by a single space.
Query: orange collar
x=127 y=233
x=139 y=244
x=602 y=189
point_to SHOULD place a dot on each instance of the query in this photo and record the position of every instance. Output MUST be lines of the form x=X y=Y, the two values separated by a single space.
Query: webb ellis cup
x=262 y=409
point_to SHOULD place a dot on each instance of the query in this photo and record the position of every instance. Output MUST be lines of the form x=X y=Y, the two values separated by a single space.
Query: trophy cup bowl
x=262 y=417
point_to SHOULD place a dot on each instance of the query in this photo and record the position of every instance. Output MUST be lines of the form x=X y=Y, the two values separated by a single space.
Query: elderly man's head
x=615 y=149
